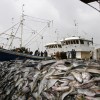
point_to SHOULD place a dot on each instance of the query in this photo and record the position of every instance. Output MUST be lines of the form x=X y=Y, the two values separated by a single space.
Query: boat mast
x=22 y=19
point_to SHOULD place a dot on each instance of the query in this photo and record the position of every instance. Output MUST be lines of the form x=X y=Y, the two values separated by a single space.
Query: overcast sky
x=64 y=13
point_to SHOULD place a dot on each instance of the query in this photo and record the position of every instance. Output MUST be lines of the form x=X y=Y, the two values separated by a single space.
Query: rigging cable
x=13 y=36
x=37 y=21
x=38 y=18
x=35 y=36
x=11 y=33
x=9 y=29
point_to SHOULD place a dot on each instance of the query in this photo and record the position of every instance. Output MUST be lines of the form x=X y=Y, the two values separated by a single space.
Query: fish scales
x=49 y=79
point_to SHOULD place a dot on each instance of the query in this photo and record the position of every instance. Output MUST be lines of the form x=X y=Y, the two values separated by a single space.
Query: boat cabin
x=96 y=54
x=52 y=48
x=82 y=46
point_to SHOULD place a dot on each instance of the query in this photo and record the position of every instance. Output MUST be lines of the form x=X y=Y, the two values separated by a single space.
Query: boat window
x=55 y=46
x=59 y=46
x=77 y=42
x=71 y=41
x=74 y=42
x=66 y=43
x=47 y=47
x=87 y=42
x=81 y=42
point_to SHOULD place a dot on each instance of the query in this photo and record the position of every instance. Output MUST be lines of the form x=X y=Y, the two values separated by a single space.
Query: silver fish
x=86 y=85
x=61 y=88
x=93 y=71
x=62 y=67
x=44 y=81
x=77 y=75
x=92 y=98
x=48 y=96
x=66 y=93
x=70 y=77
x=51 y=82
x=87 y=92
x=86 y=76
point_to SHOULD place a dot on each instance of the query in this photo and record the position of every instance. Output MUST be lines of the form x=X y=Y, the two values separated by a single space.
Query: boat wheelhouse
x=82 y=46
x=53 y=47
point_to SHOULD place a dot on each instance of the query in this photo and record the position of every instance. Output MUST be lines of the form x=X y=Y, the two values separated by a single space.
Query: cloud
x=62 y=12
x=38 y=8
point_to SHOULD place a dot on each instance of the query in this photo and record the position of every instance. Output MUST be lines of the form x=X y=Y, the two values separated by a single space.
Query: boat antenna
x=92 y=40
x=56 y=31
x=76 y=27
x=12 y=27
x=21 y=22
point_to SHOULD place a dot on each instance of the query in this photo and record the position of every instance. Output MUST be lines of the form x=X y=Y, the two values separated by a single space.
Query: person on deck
x=41 y=54
x=74 y=53
x=45 y=53
x=68 y=54
x=91 y=55
x=36 y=53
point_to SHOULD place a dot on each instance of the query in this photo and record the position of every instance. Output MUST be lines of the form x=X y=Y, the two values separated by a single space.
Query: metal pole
x=22 y=18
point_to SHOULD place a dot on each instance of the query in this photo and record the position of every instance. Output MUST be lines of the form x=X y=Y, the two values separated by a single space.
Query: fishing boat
x=7 y=55
x=82 y=46
x=20 y=52
x=53 y=47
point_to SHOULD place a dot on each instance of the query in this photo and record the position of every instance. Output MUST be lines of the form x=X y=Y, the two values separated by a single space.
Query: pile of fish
x=50 y=80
